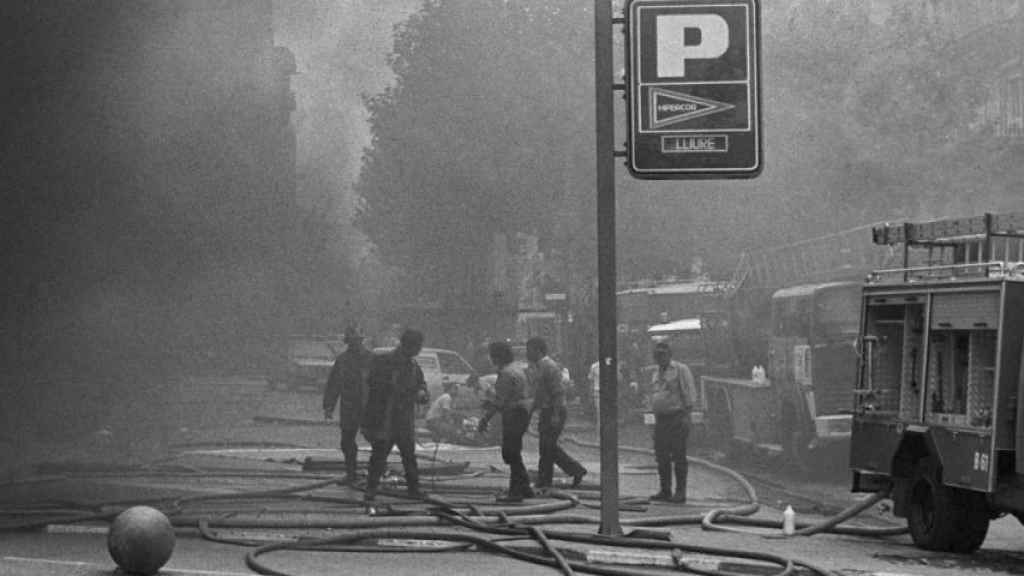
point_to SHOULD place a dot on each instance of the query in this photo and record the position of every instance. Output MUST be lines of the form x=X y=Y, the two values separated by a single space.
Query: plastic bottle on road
x=789 y=521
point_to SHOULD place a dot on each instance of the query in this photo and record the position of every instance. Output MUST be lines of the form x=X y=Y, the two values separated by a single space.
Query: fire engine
x=793 y=310
x=936 y=415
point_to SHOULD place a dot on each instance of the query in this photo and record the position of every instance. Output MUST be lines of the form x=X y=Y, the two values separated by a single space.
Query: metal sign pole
x=606 y=322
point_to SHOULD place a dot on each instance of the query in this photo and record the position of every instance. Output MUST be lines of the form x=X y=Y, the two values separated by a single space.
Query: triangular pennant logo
x=670 y=107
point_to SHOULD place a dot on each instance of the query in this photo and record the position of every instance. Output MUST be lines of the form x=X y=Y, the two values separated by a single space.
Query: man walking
x=549 y=403
x=396 y=385
x=672 y=399
x=510 y=397
x=347 y=389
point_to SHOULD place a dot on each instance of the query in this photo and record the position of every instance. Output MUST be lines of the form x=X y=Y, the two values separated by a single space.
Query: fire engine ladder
x=843 y=254
x=953 y=247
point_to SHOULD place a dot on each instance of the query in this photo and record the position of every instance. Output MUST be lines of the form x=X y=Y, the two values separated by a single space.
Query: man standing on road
x=672 y=399
x=594 y=376
x=510 y=397
x=549 y=403
x=347 y=389
x=396 y=385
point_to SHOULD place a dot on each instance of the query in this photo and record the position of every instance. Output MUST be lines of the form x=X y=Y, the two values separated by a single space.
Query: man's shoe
x=662 y=496
x=509 y=499
x=577 y=479
x=679 y=497
x=529 y=493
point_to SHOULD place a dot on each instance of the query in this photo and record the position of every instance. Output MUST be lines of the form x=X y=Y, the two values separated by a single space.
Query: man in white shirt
x=594 y=376
x=440 y=416
x=673 y=395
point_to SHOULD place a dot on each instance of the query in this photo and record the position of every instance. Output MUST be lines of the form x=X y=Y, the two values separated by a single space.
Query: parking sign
x=694 y=94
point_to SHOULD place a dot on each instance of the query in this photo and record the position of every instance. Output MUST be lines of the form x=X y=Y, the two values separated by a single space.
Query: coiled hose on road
x=504 y=524
x=740 y=514
x=509 y=530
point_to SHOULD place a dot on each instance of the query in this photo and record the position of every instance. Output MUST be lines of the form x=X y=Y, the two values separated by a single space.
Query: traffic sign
x=693 y=88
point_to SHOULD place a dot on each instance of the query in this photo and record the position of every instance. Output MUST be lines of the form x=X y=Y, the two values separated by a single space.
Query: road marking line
x=75 y=529
x=47 y=561
x=166 y=571
x=652 y=559
x=415 y=543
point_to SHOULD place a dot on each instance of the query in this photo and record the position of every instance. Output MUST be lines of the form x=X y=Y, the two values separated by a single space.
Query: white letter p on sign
x=708 y=35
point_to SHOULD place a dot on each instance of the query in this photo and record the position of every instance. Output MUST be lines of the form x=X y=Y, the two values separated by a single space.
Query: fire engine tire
x=942 y=518
x=974 y=527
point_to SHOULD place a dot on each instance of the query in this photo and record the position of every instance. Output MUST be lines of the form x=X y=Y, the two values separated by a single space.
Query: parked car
x=309 y=362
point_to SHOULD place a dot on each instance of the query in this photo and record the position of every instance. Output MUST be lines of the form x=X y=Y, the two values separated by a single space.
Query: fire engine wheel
x=944 y=518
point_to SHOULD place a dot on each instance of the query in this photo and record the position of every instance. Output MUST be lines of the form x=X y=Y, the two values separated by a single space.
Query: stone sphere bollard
x=141 y=540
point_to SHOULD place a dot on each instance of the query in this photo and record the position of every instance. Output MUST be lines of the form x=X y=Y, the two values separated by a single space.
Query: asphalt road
x=261 y=437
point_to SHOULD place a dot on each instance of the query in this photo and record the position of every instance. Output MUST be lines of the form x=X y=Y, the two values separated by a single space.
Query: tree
x=475 y=137
x=490 y=118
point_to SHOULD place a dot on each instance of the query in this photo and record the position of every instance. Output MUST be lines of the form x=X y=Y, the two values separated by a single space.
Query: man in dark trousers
x=396 y=387
x=672 y=398
x=510 y=398
x=549 y=403
x=347 y=389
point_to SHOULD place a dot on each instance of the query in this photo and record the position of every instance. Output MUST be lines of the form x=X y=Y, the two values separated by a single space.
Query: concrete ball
x=141 y=540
